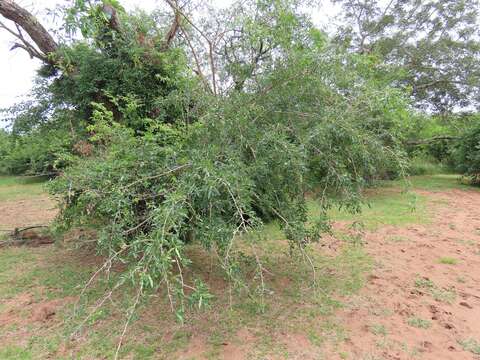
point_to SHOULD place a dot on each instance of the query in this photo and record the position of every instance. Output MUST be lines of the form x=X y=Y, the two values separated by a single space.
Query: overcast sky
x=17 y=70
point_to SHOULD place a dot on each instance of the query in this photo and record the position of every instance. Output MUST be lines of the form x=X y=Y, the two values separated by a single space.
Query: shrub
x=467 y=154
x=249 y=160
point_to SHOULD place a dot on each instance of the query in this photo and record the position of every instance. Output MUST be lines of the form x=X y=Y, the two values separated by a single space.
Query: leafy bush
x=4 y=150
x=172 y=160
x=249 y=159
x=467 y=154
x=36 y=154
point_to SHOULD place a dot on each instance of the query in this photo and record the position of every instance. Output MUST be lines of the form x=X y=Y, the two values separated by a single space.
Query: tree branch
x=23 y=19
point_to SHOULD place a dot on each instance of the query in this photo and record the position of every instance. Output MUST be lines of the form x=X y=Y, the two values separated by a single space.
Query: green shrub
x=249 y=160
x=177 y=158
x=467 y=154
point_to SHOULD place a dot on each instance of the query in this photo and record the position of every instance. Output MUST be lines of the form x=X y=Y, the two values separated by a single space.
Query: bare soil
x=26 y=212
x=428 y=272
x=409 y=282
x=400 y=288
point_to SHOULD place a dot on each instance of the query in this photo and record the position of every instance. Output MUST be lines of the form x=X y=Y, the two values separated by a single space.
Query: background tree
x=435 y=43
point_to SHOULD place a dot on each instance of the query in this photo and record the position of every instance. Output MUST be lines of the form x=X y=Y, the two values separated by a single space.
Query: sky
x=17 y=69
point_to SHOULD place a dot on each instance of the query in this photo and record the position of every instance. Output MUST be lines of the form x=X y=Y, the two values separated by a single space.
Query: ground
x=401 y=280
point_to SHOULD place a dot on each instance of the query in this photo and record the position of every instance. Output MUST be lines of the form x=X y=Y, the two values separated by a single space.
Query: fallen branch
x=19 y=237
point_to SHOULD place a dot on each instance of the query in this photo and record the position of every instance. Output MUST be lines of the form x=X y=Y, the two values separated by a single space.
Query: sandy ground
x=28 y=212
x=409 y=281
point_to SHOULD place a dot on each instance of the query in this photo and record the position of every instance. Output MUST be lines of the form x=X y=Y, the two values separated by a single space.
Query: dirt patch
x=22 y=316
x=22 y=310
x=423 y=297
x=21 y=213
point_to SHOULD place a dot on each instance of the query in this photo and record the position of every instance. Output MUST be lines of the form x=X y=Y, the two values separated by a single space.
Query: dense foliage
x=467 y=153
x=434 y=43
x=315 y=118
x=162 y=136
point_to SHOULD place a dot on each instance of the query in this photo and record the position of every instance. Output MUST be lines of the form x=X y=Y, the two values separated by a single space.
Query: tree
x=435 y=43
x=206 y=151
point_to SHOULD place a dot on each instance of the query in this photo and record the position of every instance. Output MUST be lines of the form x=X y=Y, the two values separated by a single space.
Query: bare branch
x=23 y=19
x=211 y=44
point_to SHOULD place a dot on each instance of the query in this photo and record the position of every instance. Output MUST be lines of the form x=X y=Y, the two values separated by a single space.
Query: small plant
x=424 y=283
x=438 y=294
x=471 y=345
x=448 y=260
x=378 y=329
x=443 y=295
x=419 y=323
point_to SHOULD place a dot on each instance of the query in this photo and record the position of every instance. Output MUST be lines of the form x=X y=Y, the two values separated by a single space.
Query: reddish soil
x=20 y=213
x=22 y=316
x=408 y=282
x=392 y=296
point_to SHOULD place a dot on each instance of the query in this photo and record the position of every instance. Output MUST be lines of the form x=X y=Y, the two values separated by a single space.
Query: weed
x=419 y=323
x=448 y=260
x=444 y=295
x=424 y=283
x=378 y=329
x=439 y=294
x=470 y=345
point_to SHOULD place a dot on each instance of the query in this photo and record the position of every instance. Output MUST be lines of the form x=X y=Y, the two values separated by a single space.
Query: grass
x=383 y=207
x=17 y=188
x=396 y=202
x=419 y=323
x=440 y=182
x=438 y=294
x=448 y=260
x=470 y=345
x=378 y=329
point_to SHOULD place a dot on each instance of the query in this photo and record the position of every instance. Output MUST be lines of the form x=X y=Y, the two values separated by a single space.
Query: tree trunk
x=26 y=21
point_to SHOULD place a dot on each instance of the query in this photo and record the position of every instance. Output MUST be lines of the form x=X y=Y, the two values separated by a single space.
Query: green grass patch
x=440 y=182
x=470 y=345
x=448 y=260
x=17 y=188
x=12 y=352
x=383 y=206
x=419 y=323
x=24 y=269
x=396 y=202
